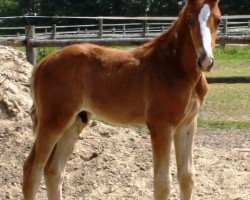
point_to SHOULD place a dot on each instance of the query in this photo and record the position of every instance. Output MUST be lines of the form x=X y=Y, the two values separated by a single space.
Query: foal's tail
x=33 y=82
x=34 y=118
x=33 y=109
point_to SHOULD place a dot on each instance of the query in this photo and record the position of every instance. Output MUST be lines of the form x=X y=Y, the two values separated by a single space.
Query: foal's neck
x=177 y=44
x=177 y=50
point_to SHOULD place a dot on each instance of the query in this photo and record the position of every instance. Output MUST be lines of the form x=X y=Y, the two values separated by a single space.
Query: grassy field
x=228 y=105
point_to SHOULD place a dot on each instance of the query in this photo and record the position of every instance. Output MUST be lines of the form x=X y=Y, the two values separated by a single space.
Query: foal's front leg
x=183 y=140
x=161 y=138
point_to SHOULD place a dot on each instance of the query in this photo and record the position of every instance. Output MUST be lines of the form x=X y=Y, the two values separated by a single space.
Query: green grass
x=227 y=101
x=228 y=105
x=231 y=61
x=224 y=124
x=232 y=52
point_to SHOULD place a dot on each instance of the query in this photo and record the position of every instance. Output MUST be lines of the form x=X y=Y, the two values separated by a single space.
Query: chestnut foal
x=160 y=84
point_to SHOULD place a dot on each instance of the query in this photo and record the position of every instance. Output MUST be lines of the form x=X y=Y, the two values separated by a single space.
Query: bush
x=44 y=51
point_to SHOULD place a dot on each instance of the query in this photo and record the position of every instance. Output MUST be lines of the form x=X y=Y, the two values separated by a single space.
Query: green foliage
x=102 y=8
x=164 y=8
x=109 y=7
x=42 y=52
x=8 y=7
x=235 y=7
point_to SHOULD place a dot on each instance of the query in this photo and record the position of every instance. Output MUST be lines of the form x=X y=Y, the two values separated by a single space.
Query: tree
x=233 y=7
x=164 y=8
x=29 y=7
x=9 y=7
x=102 y=8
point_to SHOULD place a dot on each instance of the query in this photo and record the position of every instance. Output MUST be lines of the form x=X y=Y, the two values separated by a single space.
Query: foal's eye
x=190 y=22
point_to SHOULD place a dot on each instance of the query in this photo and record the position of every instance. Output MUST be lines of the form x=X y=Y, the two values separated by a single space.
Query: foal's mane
x=163 y=39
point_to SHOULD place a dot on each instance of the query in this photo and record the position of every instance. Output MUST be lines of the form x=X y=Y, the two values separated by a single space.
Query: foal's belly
x=120 y=117
x=118 y=113
x=116 y=109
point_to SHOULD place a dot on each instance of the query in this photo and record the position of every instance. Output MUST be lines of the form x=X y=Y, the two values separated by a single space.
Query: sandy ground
x=111 y=162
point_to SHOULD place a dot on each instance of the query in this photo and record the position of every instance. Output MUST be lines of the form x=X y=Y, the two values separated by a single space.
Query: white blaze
x=205 y=31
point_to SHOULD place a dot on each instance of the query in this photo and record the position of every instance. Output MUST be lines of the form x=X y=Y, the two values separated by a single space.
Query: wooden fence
x=124 y=36
x=115 y=27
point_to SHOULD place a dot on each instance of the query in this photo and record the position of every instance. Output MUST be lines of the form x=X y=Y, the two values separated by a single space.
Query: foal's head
x=203 y=18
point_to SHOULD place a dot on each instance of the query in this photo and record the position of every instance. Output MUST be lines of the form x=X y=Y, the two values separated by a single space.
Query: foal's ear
x=216 y=1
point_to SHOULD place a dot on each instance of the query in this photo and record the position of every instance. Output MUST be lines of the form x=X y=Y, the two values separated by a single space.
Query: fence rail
x=229 y=80
x=33 y=42
x=101 y=27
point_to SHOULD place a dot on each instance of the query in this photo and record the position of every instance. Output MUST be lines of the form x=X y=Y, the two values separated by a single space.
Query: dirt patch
x=14 y=84
x=111 y=162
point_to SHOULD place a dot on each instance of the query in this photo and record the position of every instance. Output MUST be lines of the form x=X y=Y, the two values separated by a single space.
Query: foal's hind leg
x=183 y=140
x=47 y=137
x=55 y=166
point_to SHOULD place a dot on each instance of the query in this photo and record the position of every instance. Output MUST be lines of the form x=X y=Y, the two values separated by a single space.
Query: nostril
x=202 y=57
x=212 y=62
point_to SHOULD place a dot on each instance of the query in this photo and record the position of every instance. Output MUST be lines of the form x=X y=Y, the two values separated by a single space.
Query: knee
x=186 y=180
x=52 y=173
x=162 y=187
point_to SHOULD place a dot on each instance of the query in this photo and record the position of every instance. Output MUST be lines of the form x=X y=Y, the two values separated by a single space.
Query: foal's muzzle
x=205 y=62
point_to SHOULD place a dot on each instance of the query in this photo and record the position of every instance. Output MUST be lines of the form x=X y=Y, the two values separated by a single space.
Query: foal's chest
x=193 y=106
x=196 y=98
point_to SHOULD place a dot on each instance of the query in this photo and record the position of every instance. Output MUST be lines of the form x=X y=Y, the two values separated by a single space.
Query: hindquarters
x=57 y=122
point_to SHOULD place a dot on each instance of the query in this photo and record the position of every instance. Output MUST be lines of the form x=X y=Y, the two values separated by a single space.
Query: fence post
x=30 y=51
x=53 y=34
x=144 y=26
x=162 y=28
x=124 y=29
x=100 y=27
x=248 y=27
x=224 y=30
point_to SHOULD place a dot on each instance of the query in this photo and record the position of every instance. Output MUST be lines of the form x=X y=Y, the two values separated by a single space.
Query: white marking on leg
x=205 y=31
